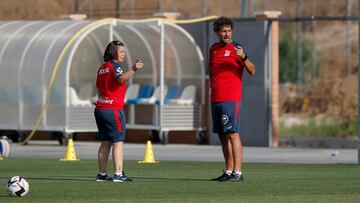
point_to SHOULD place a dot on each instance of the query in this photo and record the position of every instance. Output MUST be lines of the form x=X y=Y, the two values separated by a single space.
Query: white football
x=17 y=186
x=4 y=148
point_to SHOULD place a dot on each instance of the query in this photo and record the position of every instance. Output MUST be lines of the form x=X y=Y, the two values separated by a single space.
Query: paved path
x=88 y=150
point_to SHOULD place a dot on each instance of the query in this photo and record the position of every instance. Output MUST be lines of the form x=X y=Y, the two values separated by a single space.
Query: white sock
x=238 y=172
x=228 y=172
x=118 y=174
x=104 y=173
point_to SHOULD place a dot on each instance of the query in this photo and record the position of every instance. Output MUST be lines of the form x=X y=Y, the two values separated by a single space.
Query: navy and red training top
x=111 y=92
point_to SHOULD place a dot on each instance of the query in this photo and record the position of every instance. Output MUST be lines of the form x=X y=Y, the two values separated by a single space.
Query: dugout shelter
x=48 y=72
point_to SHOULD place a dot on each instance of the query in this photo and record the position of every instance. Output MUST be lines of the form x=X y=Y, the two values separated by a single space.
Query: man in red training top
x=110 y=118
x=227 y=61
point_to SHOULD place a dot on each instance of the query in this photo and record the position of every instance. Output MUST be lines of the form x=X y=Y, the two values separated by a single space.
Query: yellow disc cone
x=70 y=152
x=149 y=155
x=1 y=158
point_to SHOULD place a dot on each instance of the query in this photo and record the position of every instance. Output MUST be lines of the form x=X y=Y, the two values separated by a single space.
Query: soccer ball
x=17 y=186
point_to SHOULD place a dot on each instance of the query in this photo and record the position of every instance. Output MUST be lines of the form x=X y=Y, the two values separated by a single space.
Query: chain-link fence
x=318 y=75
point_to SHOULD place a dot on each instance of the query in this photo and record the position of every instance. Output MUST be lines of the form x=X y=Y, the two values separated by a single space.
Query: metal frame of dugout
x=48 y=72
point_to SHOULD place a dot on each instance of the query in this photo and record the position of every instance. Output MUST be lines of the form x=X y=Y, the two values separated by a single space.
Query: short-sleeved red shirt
x=226 y=71
x=111 y=92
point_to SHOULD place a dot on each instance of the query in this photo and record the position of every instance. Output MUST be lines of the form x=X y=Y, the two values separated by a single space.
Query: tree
x=287 y=52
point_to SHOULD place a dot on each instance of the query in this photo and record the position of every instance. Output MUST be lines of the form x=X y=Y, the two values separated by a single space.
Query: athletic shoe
x=126 y=178
x=121 y=178
x=100 y=177
x=236 y=177
x=224 y=177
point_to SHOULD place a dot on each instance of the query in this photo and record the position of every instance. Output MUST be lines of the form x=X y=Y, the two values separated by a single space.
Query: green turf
x=182 y=181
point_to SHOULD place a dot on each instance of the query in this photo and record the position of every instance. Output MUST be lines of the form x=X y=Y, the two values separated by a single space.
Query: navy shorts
x=226 y=117
x=111 y=124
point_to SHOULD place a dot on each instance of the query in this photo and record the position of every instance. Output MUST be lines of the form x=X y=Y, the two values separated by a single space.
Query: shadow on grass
x=40 y=144
x=67 y=178
x=92 y=178
x=167 y=178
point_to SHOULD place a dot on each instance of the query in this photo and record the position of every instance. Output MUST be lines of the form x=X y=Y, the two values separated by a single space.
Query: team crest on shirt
x=224 y=119
x=227 y=53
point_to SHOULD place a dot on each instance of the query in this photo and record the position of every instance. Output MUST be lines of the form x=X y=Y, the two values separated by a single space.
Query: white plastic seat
x=187 y=97
x=75 y=100
x=132 y=92
x=94 y=99
x=155 y=97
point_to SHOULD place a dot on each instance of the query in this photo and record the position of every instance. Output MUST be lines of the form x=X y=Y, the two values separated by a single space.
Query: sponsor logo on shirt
x=105 y=100
x=103 y=71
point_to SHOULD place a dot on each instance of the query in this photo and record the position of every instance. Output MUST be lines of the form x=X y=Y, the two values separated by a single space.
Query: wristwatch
x=244 y=58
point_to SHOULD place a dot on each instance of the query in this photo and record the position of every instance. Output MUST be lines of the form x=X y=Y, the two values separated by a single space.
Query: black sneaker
x=236 y=177
x=105 y=177
x=121 y=178
x=224 y=177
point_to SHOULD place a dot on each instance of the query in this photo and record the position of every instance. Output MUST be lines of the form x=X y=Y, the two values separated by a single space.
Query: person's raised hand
x=138 y=65
x=240 y=52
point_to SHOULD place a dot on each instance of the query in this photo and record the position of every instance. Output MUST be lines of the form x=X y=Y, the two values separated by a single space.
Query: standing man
x=227 y=61
x=109 y=114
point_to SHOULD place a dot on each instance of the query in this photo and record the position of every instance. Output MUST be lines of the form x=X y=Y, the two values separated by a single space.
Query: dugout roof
x=39 y=60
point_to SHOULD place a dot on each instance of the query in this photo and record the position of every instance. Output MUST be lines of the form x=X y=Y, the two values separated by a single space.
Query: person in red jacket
x=109 y=115
x=227 y=61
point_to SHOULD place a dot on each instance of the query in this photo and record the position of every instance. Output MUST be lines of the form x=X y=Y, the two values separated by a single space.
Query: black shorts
x=111 y=124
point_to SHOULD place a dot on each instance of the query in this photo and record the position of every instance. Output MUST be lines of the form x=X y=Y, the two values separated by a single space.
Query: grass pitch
x=182 y=181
